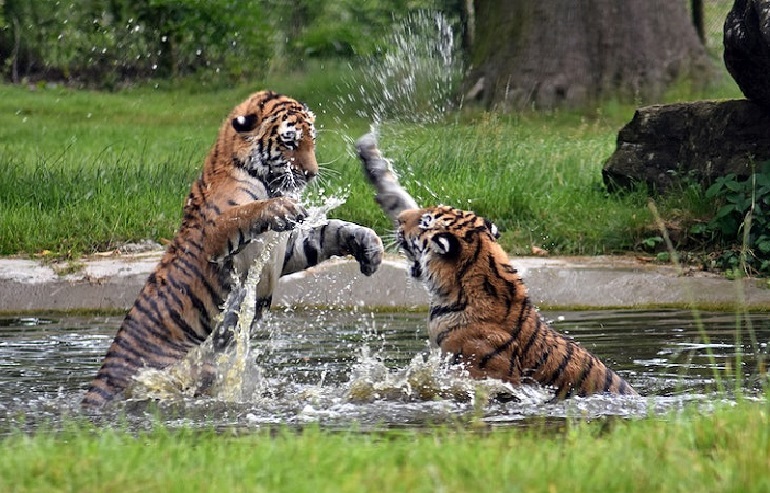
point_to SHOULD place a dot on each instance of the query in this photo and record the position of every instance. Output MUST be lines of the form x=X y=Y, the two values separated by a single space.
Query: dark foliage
x=108 y=43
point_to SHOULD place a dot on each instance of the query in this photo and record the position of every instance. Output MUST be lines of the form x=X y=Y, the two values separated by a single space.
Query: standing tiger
x=246 y=195
x=479 y=308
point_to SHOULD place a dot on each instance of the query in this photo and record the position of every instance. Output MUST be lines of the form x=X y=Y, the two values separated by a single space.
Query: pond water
x=375 y=370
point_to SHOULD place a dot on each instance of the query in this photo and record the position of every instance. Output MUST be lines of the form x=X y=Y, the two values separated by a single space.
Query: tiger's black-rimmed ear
x=244 y=123
x=492 y=229
x=446 y=244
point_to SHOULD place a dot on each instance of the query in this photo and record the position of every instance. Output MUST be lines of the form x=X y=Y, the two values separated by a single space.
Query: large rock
x=699 y=140
x=747 y=48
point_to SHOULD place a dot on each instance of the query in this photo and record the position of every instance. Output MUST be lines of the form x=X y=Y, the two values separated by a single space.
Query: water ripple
x=374 y=370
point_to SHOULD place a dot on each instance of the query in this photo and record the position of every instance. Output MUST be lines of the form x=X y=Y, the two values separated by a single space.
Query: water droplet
x=415 y=79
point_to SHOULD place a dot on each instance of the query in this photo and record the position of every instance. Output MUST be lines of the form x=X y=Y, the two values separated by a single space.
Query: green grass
x=86 y=171
x=725 y=450
x=537 y=177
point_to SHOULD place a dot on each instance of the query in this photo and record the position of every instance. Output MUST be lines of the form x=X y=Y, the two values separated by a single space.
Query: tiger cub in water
x=479 y=308
x=246 y=195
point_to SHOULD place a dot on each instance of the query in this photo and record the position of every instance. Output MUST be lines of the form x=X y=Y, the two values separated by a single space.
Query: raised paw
x=366 y=247
x=240 y=225
x=280 y=214
x=391 y=196
x=376 y=167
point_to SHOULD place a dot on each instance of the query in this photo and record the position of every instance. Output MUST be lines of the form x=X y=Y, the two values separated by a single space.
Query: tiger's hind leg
x=168 y=318
x=391 y=196
x=232 y=230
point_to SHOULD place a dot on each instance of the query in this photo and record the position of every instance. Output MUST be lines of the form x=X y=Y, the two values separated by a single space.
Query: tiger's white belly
x=266 y=252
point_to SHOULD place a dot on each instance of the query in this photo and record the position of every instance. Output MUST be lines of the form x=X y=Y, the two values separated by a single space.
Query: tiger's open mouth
x=412 y=256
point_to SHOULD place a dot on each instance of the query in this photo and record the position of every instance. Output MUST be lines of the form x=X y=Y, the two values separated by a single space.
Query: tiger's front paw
x=366 y=247
x=376 y=168
x=280 y=214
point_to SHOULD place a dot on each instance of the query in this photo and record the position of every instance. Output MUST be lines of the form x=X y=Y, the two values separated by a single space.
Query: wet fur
x=246 y=195
x=480 y=311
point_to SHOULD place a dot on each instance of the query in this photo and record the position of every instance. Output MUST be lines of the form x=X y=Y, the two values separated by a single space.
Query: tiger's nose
x=305 y=164
x=309 y=175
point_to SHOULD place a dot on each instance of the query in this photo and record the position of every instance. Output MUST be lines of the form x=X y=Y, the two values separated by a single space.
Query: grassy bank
x=86 y=171
x=727 y=450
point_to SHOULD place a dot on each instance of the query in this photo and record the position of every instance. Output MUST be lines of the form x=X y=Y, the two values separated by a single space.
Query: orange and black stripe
x=264 y=154
x=481 y=312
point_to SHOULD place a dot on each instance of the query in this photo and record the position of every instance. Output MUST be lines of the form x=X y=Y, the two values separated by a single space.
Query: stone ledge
x=587 y=282
x=697 y=140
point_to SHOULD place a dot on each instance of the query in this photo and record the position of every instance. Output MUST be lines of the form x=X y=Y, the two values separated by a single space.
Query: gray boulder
x=747 y=48
x=699 y=140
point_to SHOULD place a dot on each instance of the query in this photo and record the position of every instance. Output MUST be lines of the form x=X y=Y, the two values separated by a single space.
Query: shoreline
x=111 y=283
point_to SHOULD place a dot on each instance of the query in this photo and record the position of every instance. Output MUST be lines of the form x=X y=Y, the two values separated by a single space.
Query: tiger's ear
x=244 y=123
x=492 y=229
x=446 y=245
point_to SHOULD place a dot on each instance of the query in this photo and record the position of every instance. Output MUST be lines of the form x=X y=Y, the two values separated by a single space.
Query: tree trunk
x=696 y=7
x=550 y=53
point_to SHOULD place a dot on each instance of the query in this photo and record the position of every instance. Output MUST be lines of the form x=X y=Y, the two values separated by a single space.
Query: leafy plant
x=651 y=242
x=742 y=221
x=108 y=44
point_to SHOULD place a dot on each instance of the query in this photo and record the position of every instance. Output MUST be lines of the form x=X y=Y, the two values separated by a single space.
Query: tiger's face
x=273 y=139
x=440 y=238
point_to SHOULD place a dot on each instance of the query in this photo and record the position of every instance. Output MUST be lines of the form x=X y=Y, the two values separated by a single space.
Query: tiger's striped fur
x=480 y=311
x=246 y=195
x=391 y=197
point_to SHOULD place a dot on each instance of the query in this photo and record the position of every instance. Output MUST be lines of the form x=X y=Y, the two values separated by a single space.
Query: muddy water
x=343 y=369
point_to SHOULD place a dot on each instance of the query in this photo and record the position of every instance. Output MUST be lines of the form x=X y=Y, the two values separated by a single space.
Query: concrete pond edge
x=111 y=283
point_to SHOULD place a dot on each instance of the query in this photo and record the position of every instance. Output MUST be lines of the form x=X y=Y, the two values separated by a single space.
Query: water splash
x=317 y=213
x=312 y=359
x=430 y=377
x=220 y=372
x=227 y=373
x=414 y=78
